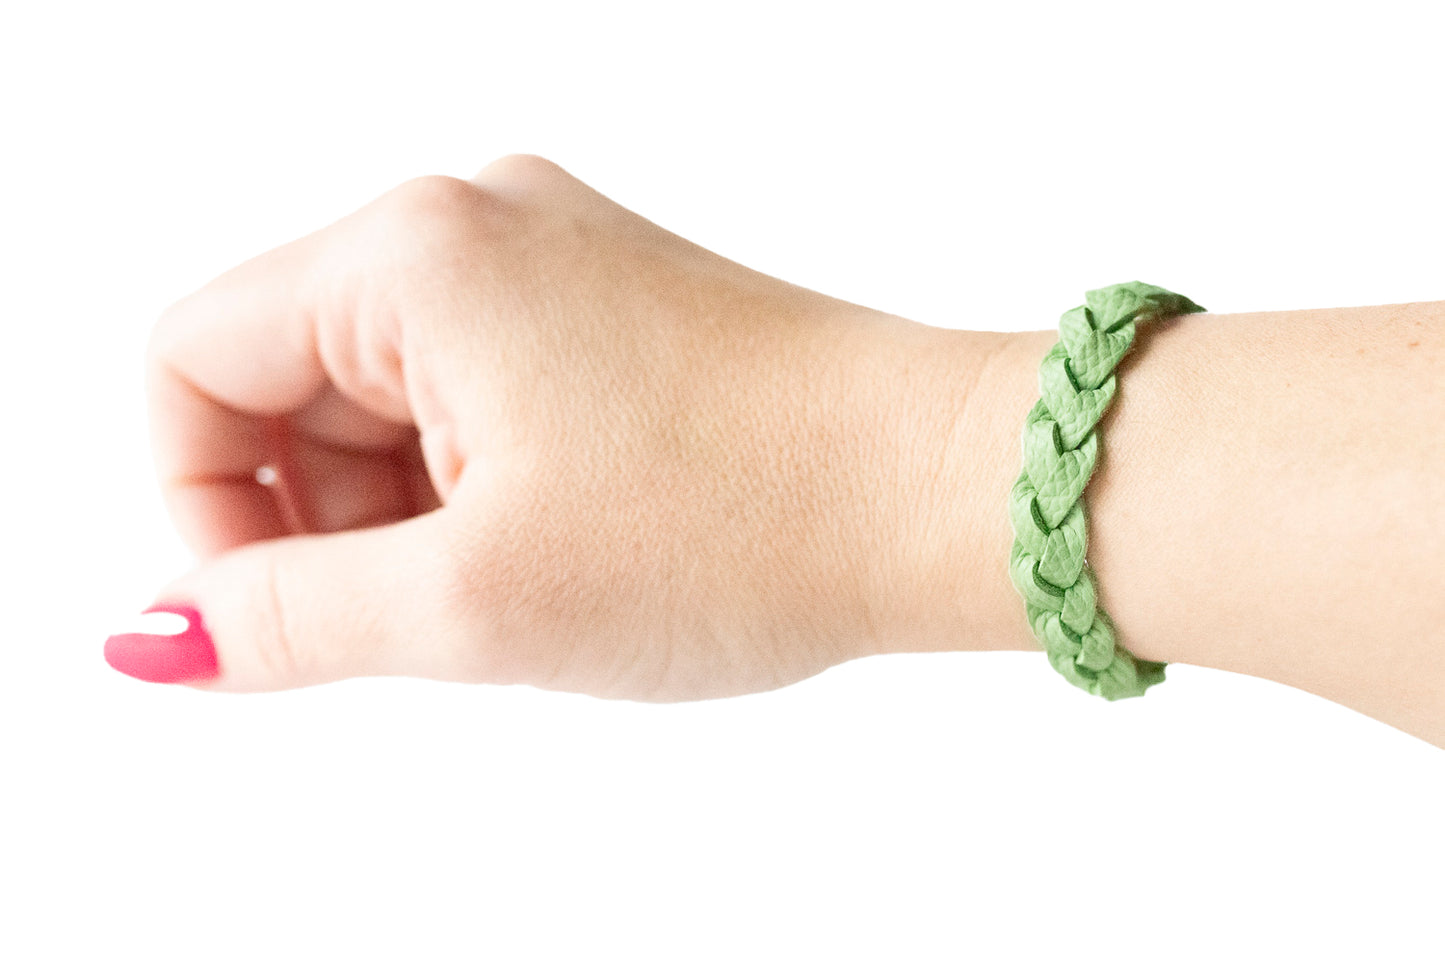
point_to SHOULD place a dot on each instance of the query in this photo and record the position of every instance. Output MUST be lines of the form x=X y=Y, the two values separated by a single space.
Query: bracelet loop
x=1046 y=506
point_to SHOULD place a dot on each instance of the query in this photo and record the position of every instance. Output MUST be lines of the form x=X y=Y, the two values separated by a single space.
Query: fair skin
x=522 y=435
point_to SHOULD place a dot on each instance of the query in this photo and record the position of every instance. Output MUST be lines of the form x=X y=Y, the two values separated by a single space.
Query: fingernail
x=187 y=657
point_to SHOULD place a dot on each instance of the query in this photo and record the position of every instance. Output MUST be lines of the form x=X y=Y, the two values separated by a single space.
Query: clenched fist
x=506 y=431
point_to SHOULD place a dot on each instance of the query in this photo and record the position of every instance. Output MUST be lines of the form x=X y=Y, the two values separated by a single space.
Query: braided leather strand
x=1046 y=506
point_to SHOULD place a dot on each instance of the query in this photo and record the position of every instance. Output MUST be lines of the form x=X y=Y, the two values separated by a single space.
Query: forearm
x=1270 y=499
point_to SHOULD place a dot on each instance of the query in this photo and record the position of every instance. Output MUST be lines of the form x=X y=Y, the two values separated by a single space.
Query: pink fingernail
x=187 y=657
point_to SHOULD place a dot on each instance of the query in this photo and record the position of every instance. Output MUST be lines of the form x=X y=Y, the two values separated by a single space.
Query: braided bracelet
x=1046 y=506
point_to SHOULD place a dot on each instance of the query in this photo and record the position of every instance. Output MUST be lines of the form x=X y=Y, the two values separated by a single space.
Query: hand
x=515 y=433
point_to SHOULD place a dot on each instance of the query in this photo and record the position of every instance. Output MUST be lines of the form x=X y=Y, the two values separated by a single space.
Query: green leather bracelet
x=1046 y=505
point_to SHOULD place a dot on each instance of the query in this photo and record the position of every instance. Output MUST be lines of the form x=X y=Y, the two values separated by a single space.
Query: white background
x=967 y=165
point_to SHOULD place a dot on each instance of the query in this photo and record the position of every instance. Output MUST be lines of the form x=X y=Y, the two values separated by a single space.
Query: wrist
x=957 y=405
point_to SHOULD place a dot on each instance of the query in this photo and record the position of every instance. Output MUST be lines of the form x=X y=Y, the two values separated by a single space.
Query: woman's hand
x=506 y=431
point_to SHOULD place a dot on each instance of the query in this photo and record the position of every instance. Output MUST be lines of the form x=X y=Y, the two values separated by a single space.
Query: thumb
x=306 y=609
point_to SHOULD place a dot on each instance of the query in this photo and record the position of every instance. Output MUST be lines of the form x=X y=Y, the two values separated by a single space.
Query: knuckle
x=438 y=215
x=519 y=171
x=431 y=194
x=429 y=232
x=429 y=201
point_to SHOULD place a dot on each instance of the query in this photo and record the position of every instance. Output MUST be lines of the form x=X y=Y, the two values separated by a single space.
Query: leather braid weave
x=1046 y=506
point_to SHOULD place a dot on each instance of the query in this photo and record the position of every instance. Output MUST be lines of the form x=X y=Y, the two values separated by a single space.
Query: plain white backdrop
x=965 y=165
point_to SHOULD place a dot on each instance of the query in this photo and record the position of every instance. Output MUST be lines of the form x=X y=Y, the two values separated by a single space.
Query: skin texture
x=521 y=435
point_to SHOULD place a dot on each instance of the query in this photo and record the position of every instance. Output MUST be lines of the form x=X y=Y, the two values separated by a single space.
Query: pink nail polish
x=187 y=657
